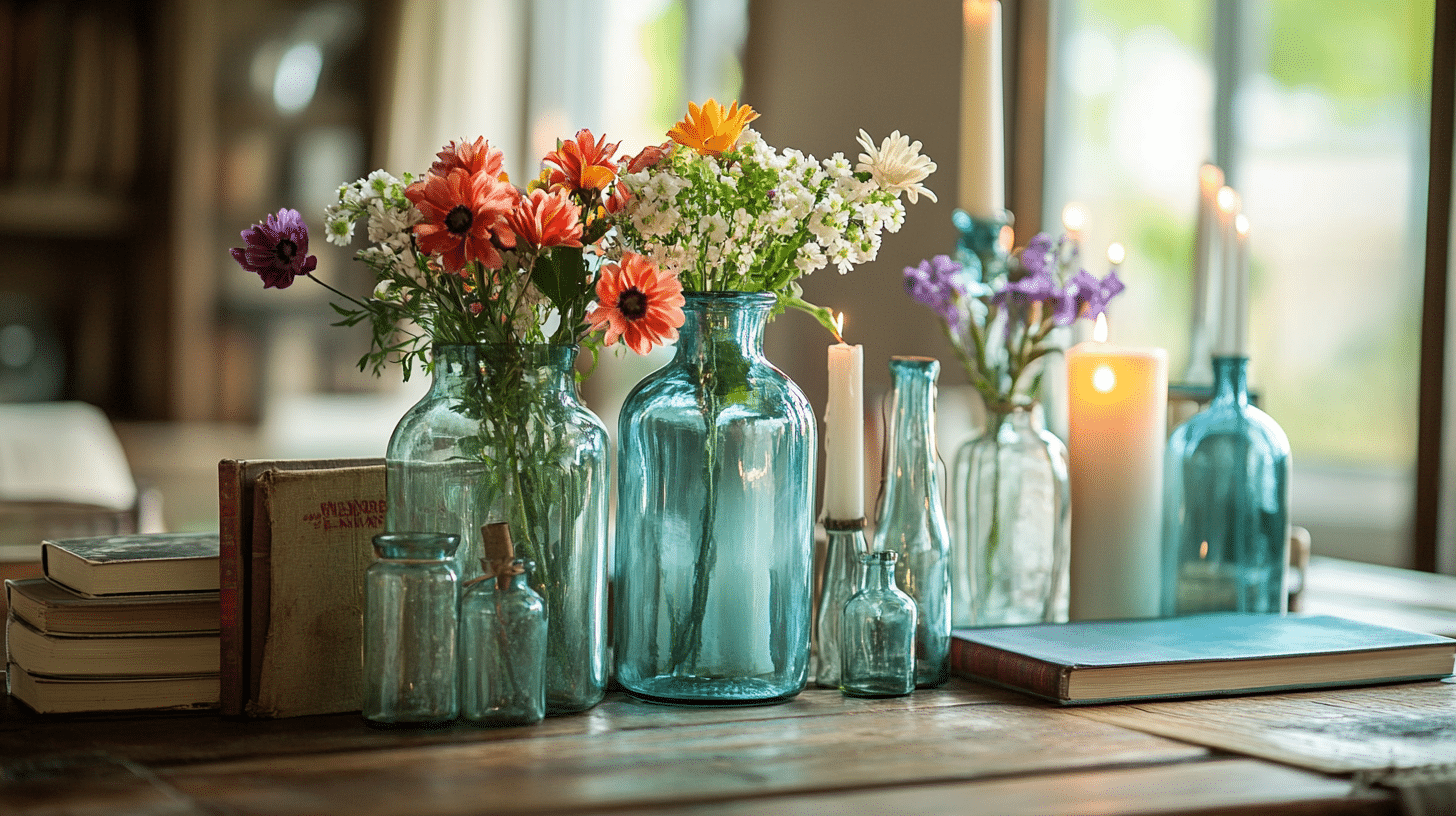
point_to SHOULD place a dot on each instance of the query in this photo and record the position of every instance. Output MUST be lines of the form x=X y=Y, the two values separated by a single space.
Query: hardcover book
x=52 y=609
x=133 y=564
x=1198 y=655
x=68 y=695
x=115 y=656
x=237 y=479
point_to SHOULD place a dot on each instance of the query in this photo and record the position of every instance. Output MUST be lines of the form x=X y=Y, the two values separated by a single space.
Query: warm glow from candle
x=1228 y=200
x=1210 y=179
x=1007 y=238
x=1241 y=225
x=1103 y=379
x=1116 y=254
x=1074 y=218
x=1099 y=329
x=838 y=322
x=976 y=12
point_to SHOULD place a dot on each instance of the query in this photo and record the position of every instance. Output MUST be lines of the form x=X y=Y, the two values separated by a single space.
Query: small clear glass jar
x=877 y=634
x=410 y=598
x=503 y=648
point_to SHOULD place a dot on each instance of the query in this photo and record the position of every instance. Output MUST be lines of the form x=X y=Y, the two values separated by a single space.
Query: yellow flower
x=712 y=129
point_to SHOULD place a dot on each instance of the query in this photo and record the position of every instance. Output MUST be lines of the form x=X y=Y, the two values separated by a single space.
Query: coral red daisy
x=544 y=220
x=472 y=157
x=637 y=302
x=583 y=164
x=464 y=218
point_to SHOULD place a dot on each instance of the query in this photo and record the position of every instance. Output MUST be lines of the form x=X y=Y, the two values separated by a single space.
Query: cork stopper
x=500 y=554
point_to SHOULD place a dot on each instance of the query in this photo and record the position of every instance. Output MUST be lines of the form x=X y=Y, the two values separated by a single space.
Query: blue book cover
x=1197 y=655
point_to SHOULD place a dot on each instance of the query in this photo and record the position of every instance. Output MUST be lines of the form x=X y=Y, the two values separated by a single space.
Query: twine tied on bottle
x=500 y=560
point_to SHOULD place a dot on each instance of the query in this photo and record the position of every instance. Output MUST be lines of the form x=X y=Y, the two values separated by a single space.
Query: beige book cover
x=312 y=541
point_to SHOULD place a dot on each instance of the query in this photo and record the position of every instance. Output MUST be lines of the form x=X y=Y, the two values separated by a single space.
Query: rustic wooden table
x=965 y=748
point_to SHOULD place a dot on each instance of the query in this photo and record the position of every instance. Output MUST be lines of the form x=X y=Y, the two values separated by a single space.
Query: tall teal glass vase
x=1226 y=505
x=715 y=525
x=502 y=436
x=911 y=519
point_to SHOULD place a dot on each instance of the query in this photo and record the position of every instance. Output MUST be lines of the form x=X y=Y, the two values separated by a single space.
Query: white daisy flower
x=896 y=165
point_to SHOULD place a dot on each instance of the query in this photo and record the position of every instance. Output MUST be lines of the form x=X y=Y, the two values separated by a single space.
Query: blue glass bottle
x=503 y=624
x=715 y=527
x=503 y=436
x=877 y=634
x=1226 y=505
x=911 y=519
x=410 y=597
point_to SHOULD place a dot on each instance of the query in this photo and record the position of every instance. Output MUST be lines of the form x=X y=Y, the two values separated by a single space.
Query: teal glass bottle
x=877 y=632
x=911 y=519
x=410 y=597
x=502 y=435
x=1226 y=505
x=841 y=580
x=503 y=625
x=715 y=527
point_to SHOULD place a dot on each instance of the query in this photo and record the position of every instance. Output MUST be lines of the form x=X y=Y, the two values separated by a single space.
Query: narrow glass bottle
x=877 y=630
x=911 y=520
x=841 y=580
x=410 y=597
x=502 y=639
x=1226 y=505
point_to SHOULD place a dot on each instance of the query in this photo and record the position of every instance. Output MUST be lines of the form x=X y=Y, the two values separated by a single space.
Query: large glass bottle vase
x=1226 y=505
x=502 y=436
x=715 y=528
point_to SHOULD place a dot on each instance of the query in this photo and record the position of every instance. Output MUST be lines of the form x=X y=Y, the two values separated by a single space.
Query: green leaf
x=560 y=275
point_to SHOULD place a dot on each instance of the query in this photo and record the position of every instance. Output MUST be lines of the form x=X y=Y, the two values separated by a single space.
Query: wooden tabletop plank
x=684 y=764
x=1228 y=786
x=1333 y=731
x=89 y=785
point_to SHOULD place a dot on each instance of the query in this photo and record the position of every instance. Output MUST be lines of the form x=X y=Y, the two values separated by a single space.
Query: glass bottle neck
x=716 y=323
x=1230 y=381
x=878 y=574
x=910 y=473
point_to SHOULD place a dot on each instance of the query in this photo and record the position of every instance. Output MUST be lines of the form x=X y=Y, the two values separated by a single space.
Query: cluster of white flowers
x=755 y=218
x=389 y=220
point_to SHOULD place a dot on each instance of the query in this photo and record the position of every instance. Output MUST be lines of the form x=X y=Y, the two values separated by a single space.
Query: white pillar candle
x=983 y=163
x=1117 y=427
x=1233 y=291
x=844 y=434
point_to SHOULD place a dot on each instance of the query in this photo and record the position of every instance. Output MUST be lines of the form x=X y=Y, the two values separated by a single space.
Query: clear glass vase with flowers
x=1009 y=497
x=716 y=456
x=493 y=290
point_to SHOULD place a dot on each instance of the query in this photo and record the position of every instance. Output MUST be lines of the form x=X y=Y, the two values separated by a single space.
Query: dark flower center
x=632 y=303
x=285 y=251
x=458 y=220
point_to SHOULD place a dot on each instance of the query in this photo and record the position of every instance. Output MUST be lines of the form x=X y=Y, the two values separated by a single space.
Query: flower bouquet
x=716 y=450
x=1009 y=490
x=494 y=289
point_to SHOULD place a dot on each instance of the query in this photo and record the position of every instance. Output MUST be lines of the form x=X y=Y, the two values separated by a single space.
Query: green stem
x=687 y=648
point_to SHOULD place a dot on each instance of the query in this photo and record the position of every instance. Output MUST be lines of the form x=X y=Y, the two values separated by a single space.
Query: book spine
x=976 y=662
x=232 y=591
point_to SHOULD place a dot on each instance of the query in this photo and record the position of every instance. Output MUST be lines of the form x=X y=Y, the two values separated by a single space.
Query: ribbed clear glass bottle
x=410 y=597
x=1226 y=505
x=911 y=520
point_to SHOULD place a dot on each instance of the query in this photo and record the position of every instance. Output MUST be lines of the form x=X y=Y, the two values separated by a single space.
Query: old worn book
x=68 y=695
x=108 y=655
x=133 y=564
x=1198 y=655
x=313 y=534
x=236 y=481
x=54 y=609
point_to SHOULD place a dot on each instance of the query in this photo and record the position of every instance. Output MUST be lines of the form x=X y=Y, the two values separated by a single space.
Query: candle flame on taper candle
x=1241 y=225
x=1099 y=330
x=1228 y=200
x=838 y=321
x=1074 y=218
x=1210 y=178
x=1116 y=253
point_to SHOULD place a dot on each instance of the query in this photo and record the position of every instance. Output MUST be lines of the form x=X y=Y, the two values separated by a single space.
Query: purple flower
x=1039 y=256
x=277 y=249
x=1093 y=293
x=1036 y=286
x=941 y=284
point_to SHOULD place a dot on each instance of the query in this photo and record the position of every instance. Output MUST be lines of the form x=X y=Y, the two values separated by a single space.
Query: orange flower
x=584 y=165
x=472 y=157
x=617 y=200
x=544 y=220
x=712 y=129
x=465 y=217
x=649 y=157
x=639 y=303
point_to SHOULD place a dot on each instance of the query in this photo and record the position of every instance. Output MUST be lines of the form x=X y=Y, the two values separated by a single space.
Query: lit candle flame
x=1099 y=330
x=1228 y=200
x=1116 y=254
x=838 y=321
x=976 y=11
x=1210 y=179
x=1241 y=225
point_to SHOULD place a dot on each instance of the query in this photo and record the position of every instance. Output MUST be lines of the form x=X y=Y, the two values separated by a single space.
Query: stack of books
x=118 y=623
